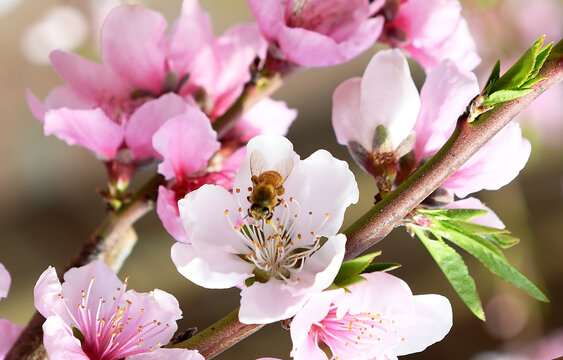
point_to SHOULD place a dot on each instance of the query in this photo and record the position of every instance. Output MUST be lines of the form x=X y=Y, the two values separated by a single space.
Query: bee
x=266 y=185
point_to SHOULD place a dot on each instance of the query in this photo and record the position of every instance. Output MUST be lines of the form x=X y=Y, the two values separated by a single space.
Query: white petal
x=211 y=269
x=389 y=95
x=168 y=354
x=347 y=120
x=46 y=293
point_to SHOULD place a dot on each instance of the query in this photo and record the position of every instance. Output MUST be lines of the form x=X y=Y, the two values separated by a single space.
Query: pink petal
x=211 y=269
x=347 y=120
x=90 y=79
x=147 y=119
x=236 y=48
x=10 y=333
x=269 y=14
x=496 y=164
x=167 y=210
x=389 y=96
x=192 y=34
x=46 y=293
x=133 y=46
x=186 y=143
x=59 y=341
x=444 y=96
x=5 y=281
x=91 y=129
x=168 y=354
x=309 y=349
x=267 y=117
x=65 y=96
x=35 y=106
x=264 y=303
x=490 y=219
x=313 y=312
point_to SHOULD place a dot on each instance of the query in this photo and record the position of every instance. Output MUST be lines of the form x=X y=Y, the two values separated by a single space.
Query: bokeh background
x=49 y=205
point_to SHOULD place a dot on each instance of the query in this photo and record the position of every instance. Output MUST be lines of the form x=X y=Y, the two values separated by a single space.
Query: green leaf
x=495 y=74
x=381 y=267
x=497 y=264
x=503 y=240
x=520 y=72
x=505 y=95
x=346 y=282
x=452 y=265
x=531 y=82
x=449 y=230
x=454 y=214
x=540 y=59
x=349 y=270
x=472 y=228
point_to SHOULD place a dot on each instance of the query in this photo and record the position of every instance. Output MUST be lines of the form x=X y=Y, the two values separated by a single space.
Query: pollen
x=249 y=188
x=227 y=212
x=237 y=190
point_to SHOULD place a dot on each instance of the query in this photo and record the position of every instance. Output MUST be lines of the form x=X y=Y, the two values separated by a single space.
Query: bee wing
x=284 y=168
x=257 y=163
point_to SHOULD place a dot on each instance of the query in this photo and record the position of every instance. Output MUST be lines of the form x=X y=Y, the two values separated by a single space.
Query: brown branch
x=466 y=140
x=220 y=336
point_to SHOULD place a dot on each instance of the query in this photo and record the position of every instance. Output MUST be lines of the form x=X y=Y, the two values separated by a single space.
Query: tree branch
x=465 y=141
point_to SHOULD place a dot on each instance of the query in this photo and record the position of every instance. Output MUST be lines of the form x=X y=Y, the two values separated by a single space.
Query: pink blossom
x=377 y=319
x=385 y=96
x=146 y=78
x=318 y=33
x=432 y=31
x=281 y=262
x=92 y=316
x=9 y=332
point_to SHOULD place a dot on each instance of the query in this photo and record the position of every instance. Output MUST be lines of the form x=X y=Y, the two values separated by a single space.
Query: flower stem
x=219 y=336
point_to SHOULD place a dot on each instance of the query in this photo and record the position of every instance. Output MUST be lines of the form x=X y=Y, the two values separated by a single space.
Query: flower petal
x=269 y=15
x=211 y=269
x=496 y=164
x=10 y=333
x=168 y=354
x=46 y=293
x=91 y=129
x=186 y=142
x=332 y=188
x=59 y=341
x=347 y=119
x=167 y=210
x=133 y=46
x=264 y=303
x=444 y=96
x=147 y=119
x=267 y=117
x=389 y=96
x=90 y=79
x=5 y=281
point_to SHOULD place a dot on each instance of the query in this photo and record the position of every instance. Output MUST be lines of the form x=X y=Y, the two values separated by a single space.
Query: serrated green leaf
x=452 y=265
x=503 y=240
x=497 y=264
x=540 y=59
x=450 y=231
x=505 y=95
x=533 y=81
x=454 y=214
x=495 y=74
x=557 y=51
x=519 y=73
x=351 y=268
x=381 y=267
x=472 y=228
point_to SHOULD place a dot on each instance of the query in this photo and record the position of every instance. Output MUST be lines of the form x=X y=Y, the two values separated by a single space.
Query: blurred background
x=50 y=206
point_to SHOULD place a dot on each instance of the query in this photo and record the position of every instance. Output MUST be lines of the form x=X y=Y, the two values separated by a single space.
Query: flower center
x=356 y=332
x=275 y=247
x=112 y=328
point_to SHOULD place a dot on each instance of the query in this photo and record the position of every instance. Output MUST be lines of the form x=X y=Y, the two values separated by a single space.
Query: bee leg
x=254 y=180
